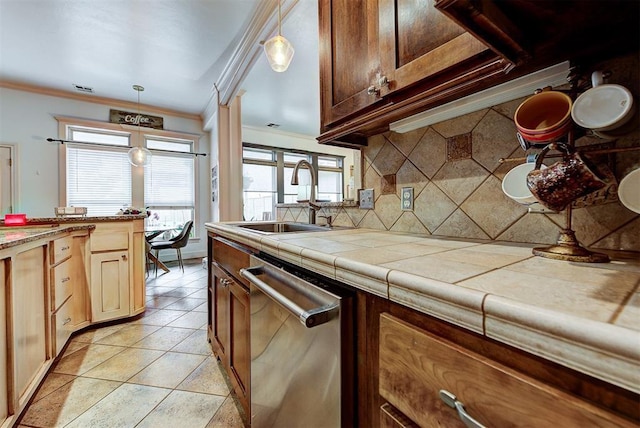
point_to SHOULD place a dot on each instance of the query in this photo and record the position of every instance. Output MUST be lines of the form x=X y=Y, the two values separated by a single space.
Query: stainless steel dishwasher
x=302 y=347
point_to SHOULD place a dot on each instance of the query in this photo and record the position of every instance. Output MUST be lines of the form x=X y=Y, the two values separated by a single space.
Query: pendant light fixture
x=139 y=156
x=278 y=49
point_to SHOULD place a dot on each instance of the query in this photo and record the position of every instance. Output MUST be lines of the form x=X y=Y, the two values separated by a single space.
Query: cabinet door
x=220 y=312
x=109 y=285
x=30 y=336
x=419 y=43
x=416 y=365
x=348 y=57
x=4 y=379
x=240 y=356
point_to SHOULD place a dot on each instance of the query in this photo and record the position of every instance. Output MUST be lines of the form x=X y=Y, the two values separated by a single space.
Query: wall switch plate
x=407 y=199
x=366 y=199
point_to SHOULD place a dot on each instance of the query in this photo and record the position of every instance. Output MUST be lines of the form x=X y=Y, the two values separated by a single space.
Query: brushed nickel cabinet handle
x=452 y=401
x=372 y=90
x=65 y=279
x=64 y=248
x=66 y=321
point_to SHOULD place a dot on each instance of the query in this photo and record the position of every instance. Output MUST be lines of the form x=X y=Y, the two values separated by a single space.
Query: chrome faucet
x=313 y=207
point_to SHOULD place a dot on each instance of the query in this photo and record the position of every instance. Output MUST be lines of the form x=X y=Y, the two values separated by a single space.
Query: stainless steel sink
x=284 y=227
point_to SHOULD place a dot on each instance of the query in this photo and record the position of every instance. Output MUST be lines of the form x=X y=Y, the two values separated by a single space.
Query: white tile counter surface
x=585 y=316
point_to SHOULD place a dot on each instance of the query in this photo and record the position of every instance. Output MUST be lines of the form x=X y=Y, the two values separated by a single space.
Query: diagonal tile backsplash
x=462 y=197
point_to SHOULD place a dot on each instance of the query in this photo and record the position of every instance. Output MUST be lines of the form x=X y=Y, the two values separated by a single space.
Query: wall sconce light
x=139 y=156
x=278 y=49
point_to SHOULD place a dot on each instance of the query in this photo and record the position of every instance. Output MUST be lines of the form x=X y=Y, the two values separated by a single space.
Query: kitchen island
x=578 y=321
x=59 y=275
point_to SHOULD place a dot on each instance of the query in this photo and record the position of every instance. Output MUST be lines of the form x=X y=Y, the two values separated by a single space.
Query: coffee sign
x=119 y=116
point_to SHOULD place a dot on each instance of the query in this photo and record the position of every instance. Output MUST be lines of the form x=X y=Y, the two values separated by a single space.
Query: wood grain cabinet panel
x=220 y=311
x=4 y=378
x=229 y=313
x=62 y=325
x=415 y=365
x=30 y=336
x=349 y=57
x=109 y=285
x=383 y=60
x=61 y=283
x=61 y=249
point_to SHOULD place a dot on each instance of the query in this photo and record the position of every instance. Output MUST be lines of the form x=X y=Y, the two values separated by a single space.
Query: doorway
x=6 y=180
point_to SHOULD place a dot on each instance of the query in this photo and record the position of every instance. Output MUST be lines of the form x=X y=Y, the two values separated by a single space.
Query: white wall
x=27 y=120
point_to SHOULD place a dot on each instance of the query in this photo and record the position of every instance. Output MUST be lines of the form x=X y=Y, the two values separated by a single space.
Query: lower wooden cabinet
x=230 y=330
x=240 y=355
x=109 y=285
x=419 y=372
x=4 y=393
x=62 y=325
x=220 y=309
x=229 y=314
x=29 y=309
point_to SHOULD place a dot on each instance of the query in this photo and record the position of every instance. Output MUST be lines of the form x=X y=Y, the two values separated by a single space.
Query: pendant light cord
x=279 y=19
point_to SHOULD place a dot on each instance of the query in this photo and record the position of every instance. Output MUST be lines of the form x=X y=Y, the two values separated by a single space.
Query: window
x=169 y=183
x=267 y=173
x=259 y=183
x=99 y=176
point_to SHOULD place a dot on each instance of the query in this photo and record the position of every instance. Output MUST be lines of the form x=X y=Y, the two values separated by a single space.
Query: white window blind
x=98 y=179
x=169 y=181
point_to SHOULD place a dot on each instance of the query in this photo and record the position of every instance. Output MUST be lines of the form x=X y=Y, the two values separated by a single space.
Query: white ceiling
x=176 y=49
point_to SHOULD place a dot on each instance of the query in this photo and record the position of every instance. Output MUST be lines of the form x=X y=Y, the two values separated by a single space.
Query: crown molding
x=111 y=102
x=263 y=25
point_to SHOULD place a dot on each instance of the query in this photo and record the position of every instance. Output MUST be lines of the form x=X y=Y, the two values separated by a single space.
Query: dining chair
x=176 y=243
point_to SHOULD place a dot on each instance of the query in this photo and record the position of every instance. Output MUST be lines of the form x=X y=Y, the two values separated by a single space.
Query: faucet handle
x=328 y=218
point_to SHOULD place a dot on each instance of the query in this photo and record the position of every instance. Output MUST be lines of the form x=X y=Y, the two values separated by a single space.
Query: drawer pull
x=124 y=257
x=452 y=401
x=65 y=279
x=64 y=248
x=224 y=282
x=66 y=321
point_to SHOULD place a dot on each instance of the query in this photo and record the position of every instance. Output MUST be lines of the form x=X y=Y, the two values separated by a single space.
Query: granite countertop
x=40 y=227
x=36 y=221
x=581 y=315
x=16 y=235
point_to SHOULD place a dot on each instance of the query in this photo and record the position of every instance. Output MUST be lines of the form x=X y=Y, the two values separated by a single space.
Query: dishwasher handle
x=308 y=318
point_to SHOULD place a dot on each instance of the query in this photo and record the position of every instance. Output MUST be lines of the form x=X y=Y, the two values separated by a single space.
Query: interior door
x=6 y=180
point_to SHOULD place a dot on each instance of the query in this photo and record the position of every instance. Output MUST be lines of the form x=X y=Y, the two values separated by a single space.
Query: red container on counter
x=15 y=219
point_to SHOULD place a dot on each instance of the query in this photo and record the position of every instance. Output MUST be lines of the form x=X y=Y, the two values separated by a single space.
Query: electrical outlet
x=366 y=199
x=407 y=199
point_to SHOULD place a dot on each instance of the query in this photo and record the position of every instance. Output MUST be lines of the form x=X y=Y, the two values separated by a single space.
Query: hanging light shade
x=139 y=156
x=279 y=50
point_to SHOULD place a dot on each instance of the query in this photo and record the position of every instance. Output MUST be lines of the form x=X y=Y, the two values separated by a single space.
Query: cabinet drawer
x=62 y=325
x=416 y=365
x=109 y=241
x=61 y=284
x=61 y=249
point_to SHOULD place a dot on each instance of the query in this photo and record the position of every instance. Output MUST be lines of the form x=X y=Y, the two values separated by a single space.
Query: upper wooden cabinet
x=381 y=60
x=385 y=60
x=526 y=31
x=349 y=57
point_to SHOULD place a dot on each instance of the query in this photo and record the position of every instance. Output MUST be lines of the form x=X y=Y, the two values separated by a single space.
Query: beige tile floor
x=156 y=371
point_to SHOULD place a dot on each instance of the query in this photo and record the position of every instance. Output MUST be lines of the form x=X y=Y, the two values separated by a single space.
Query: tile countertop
x=582 y=315
x=36 y=221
